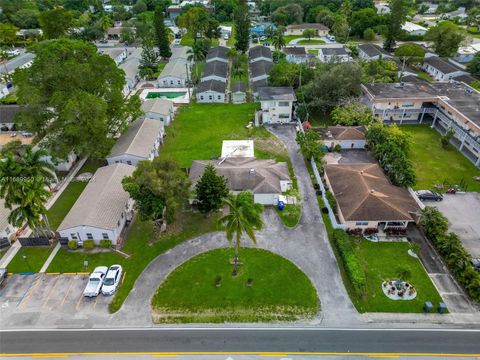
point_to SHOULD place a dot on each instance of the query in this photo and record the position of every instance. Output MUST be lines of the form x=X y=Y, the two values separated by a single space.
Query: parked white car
x=95 y=281
x=14 y=52
x=112 y=280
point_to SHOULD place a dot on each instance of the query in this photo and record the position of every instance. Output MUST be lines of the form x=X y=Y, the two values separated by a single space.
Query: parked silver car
x=95 y=281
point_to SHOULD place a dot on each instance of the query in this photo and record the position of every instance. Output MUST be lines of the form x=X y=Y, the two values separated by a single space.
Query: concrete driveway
x=349 y=157
x=463 y=213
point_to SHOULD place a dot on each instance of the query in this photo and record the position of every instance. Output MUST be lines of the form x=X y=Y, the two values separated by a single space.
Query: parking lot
x=463 y=213
x=48 y=299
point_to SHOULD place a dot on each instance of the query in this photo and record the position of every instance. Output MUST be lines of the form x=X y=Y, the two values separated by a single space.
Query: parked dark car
x=429 y=195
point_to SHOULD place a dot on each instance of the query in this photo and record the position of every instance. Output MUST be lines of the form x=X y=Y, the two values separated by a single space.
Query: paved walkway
x=50 y=258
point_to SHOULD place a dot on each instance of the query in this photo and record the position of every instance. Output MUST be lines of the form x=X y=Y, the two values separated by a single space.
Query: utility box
x=442 y=308
x=427 y=307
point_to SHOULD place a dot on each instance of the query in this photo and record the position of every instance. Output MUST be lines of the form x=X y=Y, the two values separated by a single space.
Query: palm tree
x=243 y=217
x=278 y=41
x=196 y=53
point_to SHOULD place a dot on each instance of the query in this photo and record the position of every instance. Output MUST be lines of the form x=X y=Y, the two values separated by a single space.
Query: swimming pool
x=164 y=95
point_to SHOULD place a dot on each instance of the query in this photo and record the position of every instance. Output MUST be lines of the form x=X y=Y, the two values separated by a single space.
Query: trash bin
x=280 y=205
x=442 y=308
x=427 y=306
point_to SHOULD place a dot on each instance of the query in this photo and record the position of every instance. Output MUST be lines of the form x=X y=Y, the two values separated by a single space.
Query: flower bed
x=399 y=290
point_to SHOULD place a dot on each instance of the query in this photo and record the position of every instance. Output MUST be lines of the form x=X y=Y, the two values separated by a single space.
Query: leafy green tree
x=26 y=19
x=474 y=66
x=395 y=20
x=410 y=53
x=197 y=53
x=310 y=145
x=309 y=33
x=159 y=187
x=353 y=113
x=211 y=190
x=213 y=30
x=195 y=20
x=144 y=26
x=446 y=38
x=73 y=98
x=288 y=14
x=346 y=9
x=278 y=40
x=290 y=74
x=161 y=34
x=383 y=71
x=139 y=7
x=324 y=16
x=362 y=20
x=119 y=13
x=55 y=22
x=340 y=28
x=244 y=217
x=242 y=26
x=369 y=34
x=149 y=60
x=445 y=139
x=8 y=34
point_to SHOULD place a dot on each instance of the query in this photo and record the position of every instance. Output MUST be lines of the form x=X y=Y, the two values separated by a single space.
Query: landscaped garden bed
x=290 y=215
x=268 y=287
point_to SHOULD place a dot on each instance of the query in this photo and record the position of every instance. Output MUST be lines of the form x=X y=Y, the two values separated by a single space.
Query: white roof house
x=237 y=148
x=140 y=142
x=175 y=74
x=159 y=109
x=103 y=208
x=414 y=29
x=131 y=69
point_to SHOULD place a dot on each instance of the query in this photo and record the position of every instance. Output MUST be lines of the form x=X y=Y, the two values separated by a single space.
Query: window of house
x=361 y=223
x=89 y=236
x=105 y=236
x=409 y=104
x=73 y=236
x=201 y=97
x=129 y=162
x=284 y=116
x=164 y=82
x=210 y=97
x=171 y=82
x=219 y=97
x=178 y=82
x=283 y=103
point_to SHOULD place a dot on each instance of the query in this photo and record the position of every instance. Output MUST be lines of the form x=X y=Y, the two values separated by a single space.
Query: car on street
x=476 y=264
x=263 y=38
x=429 y=195
x=112 y=280
x=95 y=281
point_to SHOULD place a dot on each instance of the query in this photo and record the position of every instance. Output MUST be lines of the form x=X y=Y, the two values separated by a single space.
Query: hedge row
x=350 y=260
x=452 y=251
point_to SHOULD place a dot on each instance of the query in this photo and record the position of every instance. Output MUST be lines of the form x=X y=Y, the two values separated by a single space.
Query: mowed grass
x=69 y=196
x=142 y=244
x=290 y=215
x=199 y=129
x=279 y=291
x=35 y=258
x=434 y=165
x=311 y=42
x=383 y=261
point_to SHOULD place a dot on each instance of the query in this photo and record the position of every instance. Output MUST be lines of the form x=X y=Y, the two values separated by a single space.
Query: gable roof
x=333 y=51
x=239 y=86
x=211 y=85
x=175 y=68
x=179 y=52
x=8 y=113
x=102 y=201
x=343 y=132
x=218 y=52
x=295 y=50
x=215 y=68
x=363 y=193
x=139 y=138
x=257 y=85
x=260 y=51
x=131 y=65
x=373 y=50
x=442 y=65
x=276 y=93
x=257 y=176
x=158 y=106
x=259 y=68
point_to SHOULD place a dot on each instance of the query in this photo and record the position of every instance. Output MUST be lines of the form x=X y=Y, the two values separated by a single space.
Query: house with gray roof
x=276 y=105
x=266 y=179
x=259 y=70
x=260 y=53
x=296 y=54
x=239 y=92
x=159 y=109
x=117 y=54
x=140 y=142
x=333 y=54
x=372 y=52
x=175 y=74
x=179 y=52
x=215 y=70
x=211 y=91
x=131 y=69
x=218 y=53
x=256 y=85
x=442 y=69
x=102 y=210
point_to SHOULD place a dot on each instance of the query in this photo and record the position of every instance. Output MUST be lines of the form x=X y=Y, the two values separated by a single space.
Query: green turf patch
x=35 y=258
x=278 y=291
x=311 y=42
x=435 y=165
x=290 y=215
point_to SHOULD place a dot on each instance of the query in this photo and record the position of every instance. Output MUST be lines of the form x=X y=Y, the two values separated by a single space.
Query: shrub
x=331 y=200
x=105 y=244
x=337 y=148
x=88 y=244
x=354 y=231
x=72 y=244
x=350 y=260
x=370 y=231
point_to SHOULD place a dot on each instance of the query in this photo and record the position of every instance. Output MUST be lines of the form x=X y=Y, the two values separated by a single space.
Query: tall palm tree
x=278 y=41
x=243 y=217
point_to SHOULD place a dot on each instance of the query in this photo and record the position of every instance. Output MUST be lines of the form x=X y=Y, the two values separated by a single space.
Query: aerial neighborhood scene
x=239 y=177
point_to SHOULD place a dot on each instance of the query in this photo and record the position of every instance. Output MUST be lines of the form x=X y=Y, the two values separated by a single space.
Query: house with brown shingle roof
x=367 y=199
x=348 y=137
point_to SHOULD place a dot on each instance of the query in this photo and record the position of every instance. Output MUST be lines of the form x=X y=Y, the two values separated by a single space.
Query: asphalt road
x=253 y=341
x=14 y=63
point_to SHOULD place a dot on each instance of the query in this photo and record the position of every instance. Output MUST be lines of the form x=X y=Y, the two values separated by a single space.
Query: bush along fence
x=351 y=262
x=458 y=260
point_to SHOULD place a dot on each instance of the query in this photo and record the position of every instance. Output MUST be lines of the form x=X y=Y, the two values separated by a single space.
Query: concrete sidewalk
x=50 y=258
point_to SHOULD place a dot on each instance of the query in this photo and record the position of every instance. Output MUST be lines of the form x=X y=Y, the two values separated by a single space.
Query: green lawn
x=290 y=214
x=199 y=129
x=433 y=164
x=313 y=51
x=423 y=75
x=279 y=291
x=64 y=203
x=311 y=42
x=187 y=40
x=36 y=257
x=383 y=261
x=142 y=244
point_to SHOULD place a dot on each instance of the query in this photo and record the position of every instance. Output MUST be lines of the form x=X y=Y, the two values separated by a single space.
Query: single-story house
x=102 y=210
x=414 y=29
x=131 y=67
x=140 y=142
x=441 y=69
x=179 y=52
x=215 y=70
x=372 y=52
x=239 y=92
x=173 y=11
x=7 y=230
x=211 y=91
x=266 y=179
x=348 y=137
x=260 y=53
x=466 y=53
x=296 y=54
x=218 y=53
x=333 y=54
x=298 y=29
x=117 y=54
x=175 y=74
x=276 y=104
x=257 y=85
x=259 y=70
x=115 y=32
x=159 y=109
x=7 y=116
x=367 y=199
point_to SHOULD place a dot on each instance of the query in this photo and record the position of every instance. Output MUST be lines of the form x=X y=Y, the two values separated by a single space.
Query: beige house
x=366 y=199
x=298 y=29
x=348 y=137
